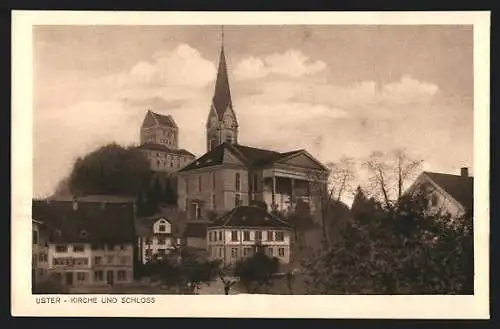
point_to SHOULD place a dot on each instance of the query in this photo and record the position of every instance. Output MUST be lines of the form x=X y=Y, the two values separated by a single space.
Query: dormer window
x=57 y=233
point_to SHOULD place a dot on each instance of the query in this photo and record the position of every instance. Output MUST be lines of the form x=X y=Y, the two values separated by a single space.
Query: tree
x=389 y=173
x=330 y=188
x=301 y=220
x=51 y=285
x=399 y=251
x=111 y=169
x=256 y=271
x=181 y=268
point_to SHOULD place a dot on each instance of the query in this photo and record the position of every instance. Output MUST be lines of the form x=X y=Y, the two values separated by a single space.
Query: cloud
x=292 y=63
x=182 y=66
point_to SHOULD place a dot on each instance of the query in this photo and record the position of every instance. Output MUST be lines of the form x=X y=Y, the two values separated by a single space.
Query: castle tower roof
x=222 y=94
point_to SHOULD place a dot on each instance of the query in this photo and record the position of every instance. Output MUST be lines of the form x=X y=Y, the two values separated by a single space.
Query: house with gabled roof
x=229 y=174
x=446 y=193
x=160 y=143
x=88 y=243
x=235 y=235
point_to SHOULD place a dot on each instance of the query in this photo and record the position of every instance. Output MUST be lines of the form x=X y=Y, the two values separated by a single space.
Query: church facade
x=229 y=174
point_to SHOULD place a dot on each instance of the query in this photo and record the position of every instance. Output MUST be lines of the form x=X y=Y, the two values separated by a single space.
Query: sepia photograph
x=253 y=159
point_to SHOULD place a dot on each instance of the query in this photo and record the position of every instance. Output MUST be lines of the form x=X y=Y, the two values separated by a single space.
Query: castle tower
x=222 y=125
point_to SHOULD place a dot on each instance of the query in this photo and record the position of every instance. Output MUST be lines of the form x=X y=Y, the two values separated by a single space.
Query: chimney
x=464 y=172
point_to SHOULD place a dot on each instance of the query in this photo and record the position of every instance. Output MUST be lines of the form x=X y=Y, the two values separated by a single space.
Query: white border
x=433 y=307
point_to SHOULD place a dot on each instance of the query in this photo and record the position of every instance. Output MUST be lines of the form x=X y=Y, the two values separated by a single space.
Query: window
x=57 y=233
x=281 y=252
x=220 y=236
x=215 y=235
x=122 y=246
x=238 y=182
x=124 y=260
x=270 y=251
x=111 y=259
x=279 y=236
x=80 y=276
x=122 y=275
x=237 y=200
x=434 y=200
x=42 y=257
x=148 y=241
x=209 y=236
x=97 y=260
x=161 y=240
x=258 y=235
x=161 y=228
x=149 y=252
x=61 y=248
x=246 y=236
x=269 y=235
x=247 y=251
x=229 y=139
x=220 y=252
x=35 y=237
x=214 y=204
x=234 y=252
x=78 y=248
x=255 y=182
x=234 y=235
x=161 y=252
x=98 y=275
x=83 y=234
x=199 y=183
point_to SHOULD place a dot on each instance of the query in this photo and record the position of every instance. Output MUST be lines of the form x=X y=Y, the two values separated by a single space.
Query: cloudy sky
x=334 y=90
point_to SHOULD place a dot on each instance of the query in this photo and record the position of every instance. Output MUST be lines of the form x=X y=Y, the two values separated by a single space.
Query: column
x=274 y=189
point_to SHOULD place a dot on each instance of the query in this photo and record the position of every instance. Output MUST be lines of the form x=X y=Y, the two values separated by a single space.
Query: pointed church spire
x=222 y=94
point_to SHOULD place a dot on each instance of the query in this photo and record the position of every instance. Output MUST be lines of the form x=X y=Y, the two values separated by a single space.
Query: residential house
x=39 y=264
x=158 y=234
x=88 y=242
x=230 y=174
x=160 y=143
x=234 y=235
x=446 y=193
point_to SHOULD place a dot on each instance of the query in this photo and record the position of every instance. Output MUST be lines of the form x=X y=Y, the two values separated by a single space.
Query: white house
x=234 y=235
x=447 y=194
x=157 y=235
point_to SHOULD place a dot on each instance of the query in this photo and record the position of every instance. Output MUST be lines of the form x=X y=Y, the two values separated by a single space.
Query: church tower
x=222 y=125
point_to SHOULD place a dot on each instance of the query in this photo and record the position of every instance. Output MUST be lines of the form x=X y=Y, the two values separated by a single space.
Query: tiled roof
x=249 y=216
x=196 y=230
x=164 y=120
x=89 y=223
x=164 y=148
x=144 y=225
x=251 y=156
x=222 y=94
x=458 y=187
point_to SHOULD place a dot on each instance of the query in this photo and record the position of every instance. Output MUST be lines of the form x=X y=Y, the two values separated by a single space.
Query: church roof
x=163 y=148
x=222 y=94
x=163 y=120
x=251 y=156
x=458 y=187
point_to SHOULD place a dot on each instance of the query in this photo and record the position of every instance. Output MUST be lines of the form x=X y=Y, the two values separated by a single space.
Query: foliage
x=111 y=169
x=180 y=268
x=52 y=285
x=301 y=220
x=256 y=271
x=403 y=250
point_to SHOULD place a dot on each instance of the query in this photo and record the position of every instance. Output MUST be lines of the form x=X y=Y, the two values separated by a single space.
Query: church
x=229 y=174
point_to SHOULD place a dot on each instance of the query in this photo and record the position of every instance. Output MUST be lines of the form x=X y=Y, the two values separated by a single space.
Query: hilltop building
x=160 y=143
